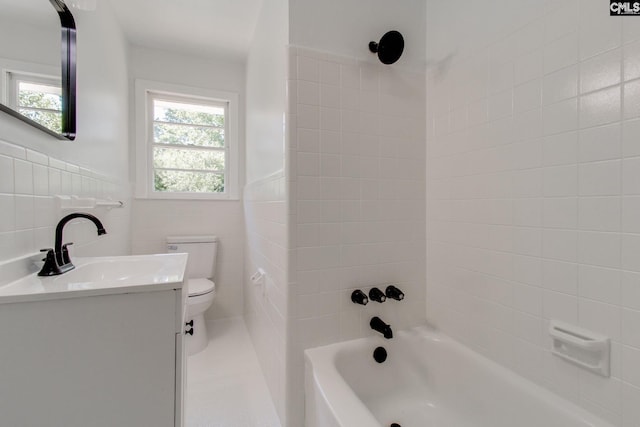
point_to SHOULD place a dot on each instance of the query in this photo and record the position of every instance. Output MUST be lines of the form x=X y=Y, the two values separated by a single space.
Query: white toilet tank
x=202 y=253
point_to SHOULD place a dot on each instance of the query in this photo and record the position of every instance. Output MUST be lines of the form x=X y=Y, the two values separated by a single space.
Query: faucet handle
x=65 y=253
x=50 y=267
x=49 y=252
x=377 y=295
x=359 y=297
x=394 y=293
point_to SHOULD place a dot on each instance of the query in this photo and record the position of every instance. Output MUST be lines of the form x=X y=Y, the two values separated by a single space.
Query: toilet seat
x=199 y=287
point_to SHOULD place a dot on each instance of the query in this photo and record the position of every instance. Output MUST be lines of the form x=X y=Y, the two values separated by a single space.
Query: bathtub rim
x=344 y=404
x=349 y=410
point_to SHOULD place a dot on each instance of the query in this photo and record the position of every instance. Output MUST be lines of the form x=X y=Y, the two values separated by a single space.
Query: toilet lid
x=200 y=287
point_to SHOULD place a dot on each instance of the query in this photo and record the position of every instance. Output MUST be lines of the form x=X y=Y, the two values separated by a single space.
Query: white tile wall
x=537 y=190
x=266 y=305
x=357 y=211
x=29 y=182
x=153 y=220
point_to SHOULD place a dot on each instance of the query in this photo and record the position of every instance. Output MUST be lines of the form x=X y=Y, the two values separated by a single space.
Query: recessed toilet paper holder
x=581 y=347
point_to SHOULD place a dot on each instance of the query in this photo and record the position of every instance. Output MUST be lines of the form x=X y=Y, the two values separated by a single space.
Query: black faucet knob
x=50 y=267
x=376 y=295
x=359 y=297
x=66 y=259
x=394 y=293
x=47 y=250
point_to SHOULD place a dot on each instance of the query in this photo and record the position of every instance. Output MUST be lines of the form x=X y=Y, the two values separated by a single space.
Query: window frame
x=145 y=92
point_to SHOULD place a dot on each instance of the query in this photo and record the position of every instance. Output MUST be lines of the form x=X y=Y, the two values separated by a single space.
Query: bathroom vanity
x=100 y=345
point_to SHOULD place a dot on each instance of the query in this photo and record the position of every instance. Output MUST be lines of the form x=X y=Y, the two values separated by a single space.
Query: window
x=187 y=144
x=36 y=97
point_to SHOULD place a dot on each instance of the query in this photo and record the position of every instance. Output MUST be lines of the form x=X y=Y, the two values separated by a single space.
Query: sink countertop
x=101 y=276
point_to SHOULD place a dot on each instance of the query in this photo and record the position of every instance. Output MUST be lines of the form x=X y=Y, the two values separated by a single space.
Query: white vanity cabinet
x=107 y=360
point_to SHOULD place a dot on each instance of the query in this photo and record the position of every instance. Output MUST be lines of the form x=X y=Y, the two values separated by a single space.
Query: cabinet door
x=96 y=361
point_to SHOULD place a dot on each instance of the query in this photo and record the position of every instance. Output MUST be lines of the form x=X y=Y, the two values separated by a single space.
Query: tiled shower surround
x=29 y=182
x=357 y=191
x=533 y=195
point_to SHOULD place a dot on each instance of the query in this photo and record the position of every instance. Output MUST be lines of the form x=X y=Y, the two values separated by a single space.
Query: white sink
x=101 y=275
x=117 y=269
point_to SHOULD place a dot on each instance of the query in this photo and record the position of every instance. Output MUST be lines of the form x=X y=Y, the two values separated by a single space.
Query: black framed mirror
x=35 y=89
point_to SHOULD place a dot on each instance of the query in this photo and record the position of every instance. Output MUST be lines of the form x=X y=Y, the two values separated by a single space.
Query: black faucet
x=378 y=325
x=57 y=260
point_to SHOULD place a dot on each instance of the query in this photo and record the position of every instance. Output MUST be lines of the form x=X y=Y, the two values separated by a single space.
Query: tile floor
x=225 y=385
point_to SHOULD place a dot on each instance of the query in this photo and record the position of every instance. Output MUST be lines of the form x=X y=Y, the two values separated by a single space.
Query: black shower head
x=390 y=47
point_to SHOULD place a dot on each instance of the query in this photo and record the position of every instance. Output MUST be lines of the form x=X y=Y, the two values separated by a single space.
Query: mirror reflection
x=30 y=66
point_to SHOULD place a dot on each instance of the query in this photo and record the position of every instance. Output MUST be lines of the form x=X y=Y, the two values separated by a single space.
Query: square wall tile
x=631 y=327
x=631 y=61
x=599 y=213
x=630 y=407
x=599 y=178
x=561 y=53
x=631 y=99
x=560 y=85
x=308 y=69
x=631 y=176
x=23 y=177
x=601 y=107
x=600 y=143
x=600 y=284
x=599 y=32
x=7 y=213
x=560 y=306
x=560 y=149
x=560 y=181
x=6 y=174
x=24 y=208
x=40 y=180
x=560 y=117
x=601 y=71
x=630 y=135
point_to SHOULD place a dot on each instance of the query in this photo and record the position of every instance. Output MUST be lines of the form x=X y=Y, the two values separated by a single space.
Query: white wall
x=153 y=220
x=265 y=198
x=532 y=187
x=266 y=74
x=345 y=27
x=36 y=166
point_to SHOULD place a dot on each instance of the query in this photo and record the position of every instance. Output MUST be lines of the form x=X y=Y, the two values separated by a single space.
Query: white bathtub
x=428 y=380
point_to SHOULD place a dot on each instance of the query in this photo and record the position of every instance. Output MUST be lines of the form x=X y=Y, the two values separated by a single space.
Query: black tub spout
x=377 y=324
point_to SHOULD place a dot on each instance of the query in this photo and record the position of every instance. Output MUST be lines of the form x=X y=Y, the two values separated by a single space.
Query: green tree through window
x=189 y=150
x=41 y=103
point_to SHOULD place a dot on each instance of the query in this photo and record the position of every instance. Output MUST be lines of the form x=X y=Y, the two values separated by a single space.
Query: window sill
x=191 y=197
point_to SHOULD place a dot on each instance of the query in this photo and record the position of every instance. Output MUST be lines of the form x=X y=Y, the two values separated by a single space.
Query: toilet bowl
x=201 y=289
x=201 y=295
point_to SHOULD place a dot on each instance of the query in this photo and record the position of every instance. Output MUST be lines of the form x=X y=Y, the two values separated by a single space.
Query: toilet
x=200 y=270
